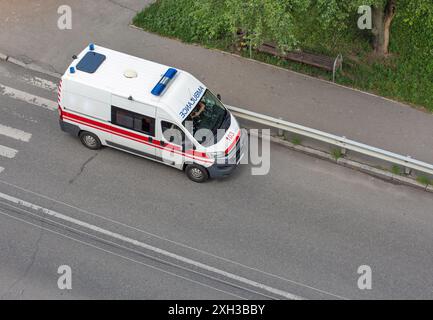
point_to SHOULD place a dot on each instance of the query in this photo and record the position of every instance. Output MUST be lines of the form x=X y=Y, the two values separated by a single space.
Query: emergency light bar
x=165 y=80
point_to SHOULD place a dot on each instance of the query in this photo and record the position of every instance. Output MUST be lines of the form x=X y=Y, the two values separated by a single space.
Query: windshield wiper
x=226 y=119
x=223 y=121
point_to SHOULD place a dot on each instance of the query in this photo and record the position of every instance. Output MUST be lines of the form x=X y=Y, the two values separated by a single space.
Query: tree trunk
x=382 y=19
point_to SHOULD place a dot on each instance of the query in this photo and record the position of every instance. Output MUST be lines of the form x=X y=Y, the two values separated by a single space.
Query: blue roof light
x=91 y=47
x=72 y=70
x=163 y=83
x=171 y=73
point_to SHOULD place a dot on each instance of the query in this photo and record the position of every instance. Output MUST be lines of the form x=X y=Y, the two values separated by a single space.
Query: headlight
x=218 y=154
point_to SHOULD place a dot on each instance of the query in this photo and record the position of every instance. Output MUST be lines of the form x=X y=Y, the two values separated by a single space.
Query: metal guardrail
x=342 y=142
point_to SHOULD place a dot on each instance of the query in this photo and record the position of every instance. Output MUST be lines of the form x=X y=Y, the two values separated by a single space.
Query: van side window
x=172 y=133
x=124 y=119
x=133 y=121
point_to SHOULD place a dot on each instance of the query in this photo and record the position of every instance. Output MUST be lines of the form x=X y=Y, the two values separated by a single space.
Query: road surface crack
x=83 y=166
x=29 y=267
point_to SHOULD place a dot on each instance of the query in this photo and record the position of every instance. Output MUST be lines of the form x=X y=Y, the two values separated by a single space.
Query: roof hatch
x=91 y=62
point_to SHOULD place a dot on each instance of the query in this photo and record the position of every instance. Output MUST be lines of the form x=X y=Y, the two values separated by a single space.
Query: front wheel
x=90 y=140
x=196 y=173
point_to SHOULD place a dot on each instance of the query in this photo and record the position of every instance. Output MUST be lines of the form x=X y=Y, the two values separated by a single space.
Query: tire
x=196 y=173
x=90 y=140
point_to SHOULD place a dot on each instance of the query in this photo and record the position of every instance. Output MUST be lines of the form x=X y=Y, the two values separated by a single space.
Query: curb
x=3 y=57
x=30 y=66
x=355 y=165
x=379 y=173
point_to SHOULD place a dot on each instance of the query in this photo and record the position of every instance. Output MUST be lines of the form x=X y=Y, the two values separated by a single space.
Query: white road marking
x=162 y=252
x=78 y=231
x=7 y=152
x=174 y=242
x=15 y=133
x=41 y=83
x=27 y=97
x=1 y=169
x=119 y=255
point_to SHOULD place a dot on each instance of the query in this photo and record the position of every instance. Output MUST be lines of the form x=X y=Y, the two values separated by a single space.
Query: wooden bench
x=315 y=60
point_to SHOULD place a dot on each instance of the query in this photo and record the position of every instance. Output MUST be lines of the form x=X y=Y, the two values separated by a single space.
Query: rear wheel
x=90 y=140
x=196 y=173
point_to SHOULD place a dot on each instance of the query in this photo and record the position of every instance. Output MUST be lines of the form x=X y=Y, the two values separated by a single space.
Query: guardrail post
x=344 y=150
x=407 y=170
x=280 y=131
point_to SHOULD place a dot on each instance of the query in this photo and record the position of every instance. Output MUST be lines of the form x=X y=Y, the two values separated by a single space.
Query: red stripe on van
x=132 y=136
x=196 y=153
x=233 y=143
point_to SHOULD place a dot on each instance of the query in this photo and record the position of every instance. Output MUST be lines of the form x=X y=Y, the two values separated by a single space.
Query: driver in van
x=200 y=108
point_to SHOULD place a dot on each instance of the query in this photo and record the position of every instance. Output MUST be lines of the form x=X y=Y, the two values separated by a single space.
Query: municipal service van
x=108 y=98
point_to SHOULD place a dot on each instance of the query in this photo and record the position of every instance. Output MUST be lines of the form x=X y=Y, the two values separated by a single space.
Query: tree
x=262 y=20
x=382 y=15
x=279 y=19
x=284 y=21
x=335 y=14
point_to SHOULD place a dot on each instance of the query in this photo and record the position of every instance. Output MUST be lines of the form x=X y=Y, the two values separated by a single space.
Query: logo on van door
x=191 y=103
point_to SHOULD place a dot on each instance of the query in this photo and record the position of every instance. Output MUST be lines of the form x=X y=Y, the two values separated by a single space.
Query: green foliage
x=336 y=153
x=296 y=140
x=321 y=26
x=424 y=180
x=395 y=169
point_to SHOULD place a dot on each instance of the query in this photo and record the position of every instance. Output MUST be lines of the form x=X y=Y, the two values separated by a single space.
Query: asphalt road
x=29 y=32
x=303 y=229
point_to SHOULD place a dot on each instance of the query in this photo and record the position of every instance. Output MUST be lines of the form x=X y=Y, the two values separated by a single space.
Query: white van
x=108 y=98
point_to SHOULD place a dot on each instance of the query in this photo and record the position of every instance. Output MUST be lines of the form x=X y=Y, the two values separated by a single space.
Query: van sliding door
x=134 y=127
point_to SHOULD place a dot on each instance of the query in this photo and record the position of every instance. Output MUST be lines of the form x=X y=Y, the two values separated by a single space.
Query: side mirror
x=219 y=97
x=74 y=57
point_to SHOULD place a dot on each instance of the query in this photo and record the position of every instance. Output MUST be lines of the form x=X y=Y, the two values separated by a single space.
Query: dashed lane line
x=41 y=83
x=27 y=97
x=7 y=152
x=15 y=133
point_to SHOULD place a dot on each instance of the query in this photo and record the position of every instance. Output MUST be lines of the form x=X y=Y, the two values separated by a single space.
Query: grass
x=296 y=140
x=336 y=153
x=424 y=180
x=395 y=169
x=405 y=76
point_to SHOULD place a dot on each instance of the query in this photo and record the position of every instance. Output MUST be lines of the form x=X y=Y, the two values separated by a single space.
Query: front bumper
x=230 y=163
x=221 y=170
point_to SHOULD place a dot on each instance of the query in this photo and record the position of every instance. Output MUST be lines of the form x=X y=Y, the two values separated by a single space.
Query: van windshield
x=210 y=114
